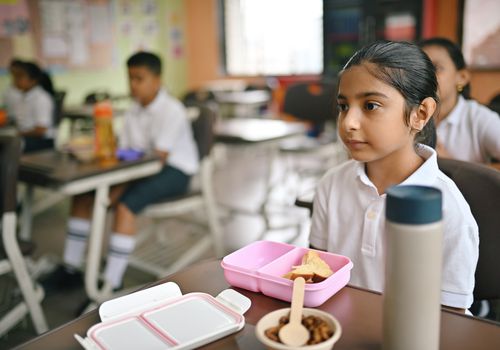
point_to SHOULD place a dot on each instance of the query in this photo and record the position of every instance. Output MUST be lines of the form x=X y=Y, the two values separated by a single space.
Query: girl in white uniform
x=466 y=130
x=386 y=100
x=33 y=114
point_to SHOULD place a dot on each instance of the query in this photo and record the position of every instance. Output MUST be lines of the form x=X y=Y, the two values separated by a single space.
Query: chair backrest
x=10 y=151
x=197 y=97
x=203 y=129
x=96 y=96
x=58 y=106
x=494 y=104
x=314 y=101
x=480 y=186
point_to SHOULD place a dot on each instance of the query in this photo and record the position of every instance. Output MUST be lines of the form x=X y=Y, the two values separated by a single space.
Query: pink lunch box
x=259 y=267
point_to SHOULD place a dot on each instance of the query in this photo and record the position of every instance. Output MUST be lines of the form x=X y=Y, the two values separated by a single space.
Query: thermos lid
x=411 y=204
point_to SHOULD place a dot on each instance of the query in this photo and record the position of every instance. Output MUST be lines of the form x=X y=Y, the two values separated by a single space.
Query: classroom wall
x=168 y=39
x=204 y=61
x=484 y=84
x=189 y=42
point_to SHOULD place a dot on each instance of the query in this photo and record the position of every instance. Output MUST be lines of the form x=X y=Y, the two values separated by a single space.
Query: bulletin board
x=72 y=34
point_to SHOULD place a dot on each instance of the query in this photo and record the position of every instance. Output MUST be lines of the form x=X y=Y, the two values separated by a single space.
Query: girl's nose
x=351 y=119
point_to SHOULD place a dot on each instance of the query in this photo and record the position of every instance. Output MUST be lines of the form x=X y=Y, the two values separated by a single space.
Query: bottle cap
x=411 y=204
x=103 y=110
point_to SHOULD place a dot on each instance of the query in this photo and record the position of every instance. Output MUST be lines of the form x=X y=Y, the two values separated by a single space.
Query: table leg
x=101 y=202
x=27 y=214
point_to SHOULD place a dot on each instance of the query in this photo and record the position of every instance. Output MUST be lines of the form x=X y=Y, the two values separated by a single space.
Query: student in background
x=12 y=94
x=156 y=122
x=33 y=113
x=466 y=130
x=386 y=101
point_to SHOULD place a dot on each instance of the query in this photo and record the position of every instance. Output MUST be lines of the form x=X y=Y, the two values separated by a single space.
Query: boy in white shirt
x=156 y=122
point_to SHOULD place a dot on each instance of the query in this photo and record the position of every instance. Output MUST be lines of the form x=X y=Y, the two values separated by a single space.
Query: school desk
x=262 y=136
x=359 y=312
x=242 y=103
x=68 y=177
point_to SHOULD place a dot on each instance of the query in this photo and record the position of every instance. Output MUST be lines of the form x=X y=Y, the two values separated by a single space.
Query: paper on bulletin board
x=77 y=38
x=14 y=17
x=5 y=51
x=100 y=24
x=54 y=46
x=23 y=46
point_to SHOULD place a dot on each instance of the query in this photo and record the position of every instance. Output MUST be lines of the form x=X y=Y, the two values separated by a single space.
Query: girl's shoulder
x=340 y=172
x=477 y=110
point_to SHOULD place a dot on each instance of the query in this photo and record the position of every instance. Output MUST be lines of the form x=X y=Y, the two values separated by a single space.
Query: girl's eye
x=342 y=107
x=439 y=68
x=371 y=106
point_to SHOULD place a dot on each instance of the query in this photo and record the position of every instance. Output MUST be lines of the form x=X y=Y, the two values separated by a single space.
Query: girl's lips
x=355 y=144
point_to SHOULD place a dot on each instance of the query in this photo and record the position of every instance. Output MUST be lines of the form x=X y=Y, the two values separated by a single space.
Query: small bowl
x=272 y=320
x=82 y=148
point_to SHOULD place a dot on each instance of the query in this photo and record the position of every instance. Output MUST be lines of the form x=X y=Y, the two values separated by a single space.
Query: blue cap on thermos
x=411 y=204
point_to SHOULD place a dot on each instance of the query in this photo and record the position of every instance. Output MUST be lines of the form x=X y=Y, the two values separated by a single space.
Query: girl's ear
x=423 y=113
x=463 y=77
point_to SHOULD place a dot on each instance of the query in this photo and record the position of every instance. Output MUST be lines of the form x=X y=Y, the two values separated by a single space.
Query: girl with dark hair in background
x=466 y=130
x=34 y=112
x=12 y=95
x=386 y=100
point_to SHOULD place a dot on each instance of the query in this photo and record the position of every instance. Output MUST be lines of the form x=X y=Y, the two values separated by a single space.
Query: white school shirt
x=349 y=218
x=35 y=108
x=11 y=98
x=162 y=125
x=471 y=132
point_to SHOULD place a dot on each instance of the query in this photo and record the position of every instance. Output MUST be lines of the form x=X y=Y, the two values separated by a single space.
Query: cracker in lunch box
x=313 y=269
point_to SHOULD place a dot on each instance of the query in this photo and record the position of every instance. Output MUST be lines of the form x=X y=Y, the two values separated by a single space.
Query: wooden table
x=359 y=312
x=67 y=176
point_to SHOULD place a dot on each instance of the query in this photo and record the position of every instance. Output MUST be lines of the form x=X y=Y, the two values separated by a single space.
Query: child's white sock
x=76 y=242
x=120 y=248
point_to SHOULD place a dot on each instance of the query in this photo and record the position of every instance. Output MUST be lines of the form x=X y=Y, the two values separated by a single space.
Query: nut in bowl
x=272 y=319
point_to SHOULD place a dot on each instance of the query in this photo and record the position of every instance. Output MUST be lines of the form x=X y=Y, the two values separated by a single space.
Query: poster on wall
x=481 y=34
x=14 y=23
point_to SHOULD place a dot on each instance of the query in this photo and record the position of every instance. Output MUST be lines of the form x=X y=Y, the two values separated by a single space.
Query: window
x=273 y=37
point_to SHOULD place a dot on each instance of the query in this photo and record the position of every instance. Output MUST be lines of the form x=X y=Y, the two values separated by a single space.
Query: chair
x=96 y=96
x=11 y=258
x=480 y=186
x=198 y=97
x=314 y=103
x=58 y=106
x=151 y=254
x=494 y=103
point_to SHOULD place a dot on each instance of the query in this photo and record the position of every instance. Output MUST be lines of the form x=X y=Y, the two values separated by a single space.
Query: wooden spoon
x=294 y=333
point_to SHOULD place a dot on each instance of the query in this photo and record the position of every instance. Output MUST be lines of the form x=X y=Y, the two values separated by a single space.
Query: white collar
x=154 y=105
x=424 y=175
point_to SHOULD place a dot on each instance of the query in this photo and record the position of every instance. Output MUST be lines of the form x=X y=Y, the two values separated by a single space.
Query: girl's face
x=448 y=76
x=371 y=116
x=22 y=81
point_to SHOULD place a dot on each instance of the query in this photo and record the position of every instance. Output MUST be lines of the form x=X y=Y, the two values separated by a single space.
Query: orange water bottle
x=105 y=143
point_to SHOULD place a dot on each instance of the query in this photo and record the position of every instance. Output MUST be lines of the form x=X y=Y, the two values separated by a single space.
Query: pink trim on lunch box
x=160 y=332
x=110 y=324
